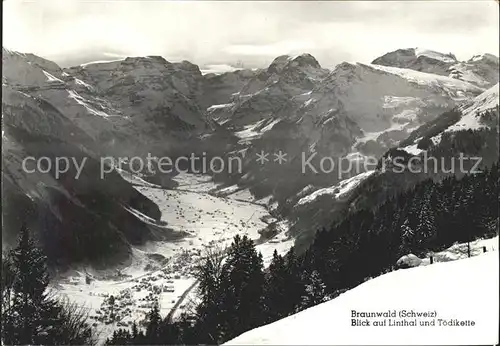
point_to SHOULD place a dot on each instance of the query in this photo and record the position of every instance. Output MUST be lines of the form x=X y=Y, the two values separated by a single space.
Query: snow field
x=339 y=190
x=465 y=290
x=429 y=79
x=470 y=120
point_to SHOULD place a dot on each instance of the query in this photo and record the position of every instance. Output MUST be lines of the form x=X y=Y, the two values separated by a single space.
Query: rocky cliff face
x=76 y=214
x=219 y=89
x=159 y=100
x=269 y=91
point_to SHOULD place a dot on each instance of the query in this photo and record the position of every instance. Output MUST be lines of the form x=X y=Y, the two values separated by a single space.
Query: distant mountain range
x=141 y=105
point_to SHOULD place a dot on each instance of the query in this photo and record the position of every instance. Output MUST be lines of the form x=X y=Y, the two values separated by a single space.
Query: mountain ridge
x=137 y=105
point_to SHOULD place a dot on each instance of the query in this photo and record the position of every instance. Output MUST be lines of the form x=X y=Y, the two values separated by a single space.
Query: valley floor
x=163 y=270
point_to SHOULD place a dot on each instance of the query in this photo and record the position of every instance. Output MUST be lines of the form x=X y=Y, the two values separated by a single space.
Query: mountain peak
x=419 y=59
x=410 y=57
x=432 y=54
x=486 y=57
x=305 y=59
x=302 y=60
x=395 y=58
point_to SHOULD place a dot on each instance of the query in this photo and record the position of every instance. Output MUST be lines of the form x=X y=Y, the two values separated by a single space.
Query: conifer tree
x=294 y=282
x=29 y=303
x=120 y=337
x=32 y=316
x=208 y=311
x=276 y=289
x=8 y=276
x=426 y=227
x=153 y=326
x=242 y=288
x=135 y=331
x=315 y=291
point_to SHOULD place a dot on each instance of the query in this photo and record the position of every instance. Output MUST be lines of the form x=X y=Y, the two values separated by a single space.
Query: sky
x=251 y=33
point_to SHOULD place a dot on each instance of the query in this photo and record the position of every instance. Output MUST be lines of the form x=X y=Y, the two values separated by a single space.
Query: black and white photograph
x=195 y=172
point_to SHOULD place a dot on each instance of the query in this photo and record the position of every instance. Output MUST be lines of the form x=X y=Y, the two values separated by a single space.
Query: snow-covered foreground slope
x=455 y=252
x=459 y=250
x=464 y=290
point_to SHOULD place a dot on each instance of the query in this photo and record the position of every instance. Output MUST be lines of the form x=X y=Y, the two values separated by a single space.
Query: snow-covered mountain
x=29 y=74
x=85 y=113
x=77 y=215
x=478 y=113
x=161 y=101
x=469 y=130
x=379 y=105
x=481 y=70
x=163 y=270
x=137 y=105
x=352 y=112
x=474 y=112
x=418 y=59
x=269 y=90
x=448 y=292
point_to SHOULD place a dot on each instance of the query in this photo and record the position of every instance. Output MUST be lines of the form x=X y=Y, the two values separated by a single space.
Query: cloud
x=205 y=32
x=270 y=50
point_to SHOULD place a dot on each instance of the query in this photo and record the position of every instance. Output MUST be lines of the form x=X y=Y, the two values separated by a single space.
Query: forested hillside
x=237 y=294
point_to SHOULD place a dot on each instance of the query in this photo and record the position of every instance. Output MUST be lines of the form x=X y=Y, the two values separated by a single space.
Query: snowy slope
x=385 y=102
x=464 y=290
x=207 y=220
x=266 y=93
x=479 y=113
x=337 y=191
x=470 y=119
x=454 y=86
x=218 y=69
x=434 y=55
x=480 y=70
x=418 y=59
x=460 y=250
